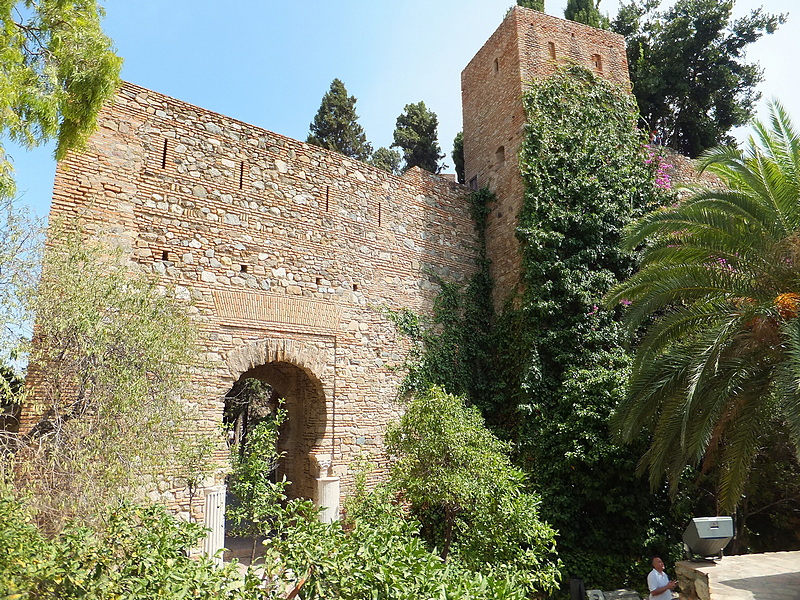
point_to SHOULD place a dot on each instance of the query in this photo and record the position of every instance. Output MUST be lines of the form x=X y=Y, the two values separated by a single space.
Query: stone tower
x=527 y=45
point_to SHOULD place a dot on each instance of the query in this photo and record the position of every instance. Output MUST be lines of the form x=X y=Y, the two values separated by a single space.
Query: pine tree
x=416 y=135
x=335 y=125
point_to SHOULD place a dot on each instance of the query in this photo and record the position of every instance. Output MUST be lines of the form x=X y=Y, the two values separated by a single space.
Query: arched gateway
x=307 y=438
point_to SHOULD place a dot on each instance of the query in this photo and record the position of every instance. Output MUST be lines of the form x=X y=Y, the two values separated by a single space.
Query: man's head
x=658 y=564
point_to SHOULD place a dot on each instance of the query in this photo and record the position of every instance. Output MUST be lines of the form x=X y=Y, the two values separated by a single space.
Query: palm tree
x=717 y=301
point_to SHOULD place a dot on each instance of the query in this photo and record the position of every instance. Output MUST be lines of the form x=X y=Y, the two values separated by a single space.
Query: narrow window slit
x=379 y=214
x=164 y=155
x=241 y=175
x=327 y=197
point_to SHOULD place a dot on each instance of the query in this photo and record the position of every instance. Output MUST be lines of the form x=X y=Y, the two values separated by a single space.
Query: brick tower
x=527 y=45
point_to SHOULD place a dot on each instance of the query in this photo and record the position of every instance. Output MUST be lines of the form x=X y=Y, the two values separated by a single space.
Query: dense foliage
x=587 y=173
x=721 y=361
x=379 y=554
x=461 y=485
x=335 y=126
x=688 y=69
x=138 y=553
x=549 y=370
x=386 y=159
x=586 y=12
x=416 y=135
x=110 y=363
x=534 y=4
x=58 y=69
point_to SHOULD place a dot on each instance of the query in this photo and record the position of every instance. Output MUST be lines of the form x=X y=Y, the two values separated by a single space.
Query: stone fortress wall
x=287 y=253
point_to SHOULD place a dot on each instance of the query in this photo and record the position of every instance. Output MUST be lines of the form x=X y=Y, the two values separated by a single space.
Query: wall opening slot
x=164 y=155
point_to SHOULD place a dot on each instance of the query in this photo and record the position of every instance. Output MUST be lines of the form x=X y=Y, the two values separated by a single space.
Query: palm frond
x=718 y=294
x=747 y=429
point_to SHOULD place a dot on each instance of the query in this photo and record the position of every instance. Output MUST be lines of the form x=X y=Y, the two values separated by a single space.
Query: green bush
x=460 y=483
x=378 y=554
x=139 y=553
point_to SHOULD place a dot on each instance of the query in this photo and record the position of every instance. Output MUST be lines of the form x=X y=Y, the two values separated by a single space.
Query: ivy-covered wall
x=548 y=368
x=587 y=173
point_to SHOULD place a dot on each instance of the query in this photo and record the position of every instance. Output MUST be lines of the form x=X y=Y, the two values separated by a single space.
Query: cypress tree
x=335 y=125
x=458 y=156
x=587 y=12
x=416 y=135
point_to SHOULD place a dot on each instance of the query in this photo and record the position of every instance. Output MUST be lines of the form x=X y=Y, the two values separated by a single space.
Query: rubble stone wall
x=287 y=253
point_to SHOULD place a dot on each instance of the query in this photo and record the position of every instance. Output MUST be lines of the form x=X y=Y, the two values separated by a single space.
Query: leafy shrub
x=461 y=485
x=378 y=554
x=140 y=552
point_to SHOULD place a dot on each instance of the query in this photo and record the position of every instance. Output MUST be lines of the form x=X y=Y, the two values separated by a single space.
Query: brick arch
x=307 y=357
x=308 y=432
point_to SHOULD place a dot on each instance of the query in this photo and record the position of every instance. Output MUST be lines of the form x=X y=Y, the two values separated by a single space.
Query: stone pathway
x=771 y=576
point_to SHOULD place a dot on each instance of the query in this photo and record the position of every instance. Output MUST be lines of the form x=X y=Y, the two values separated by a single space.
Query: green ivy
x=562 y=357
x=549 y=369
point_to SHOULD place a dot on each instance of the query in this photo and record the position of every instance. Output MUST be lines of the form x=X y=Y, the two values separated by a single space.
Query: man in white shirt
x=658 y=583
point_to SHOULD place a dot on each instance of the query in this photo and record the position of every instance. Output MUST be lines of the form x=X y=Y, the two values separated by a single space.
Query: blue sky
x=269 y=63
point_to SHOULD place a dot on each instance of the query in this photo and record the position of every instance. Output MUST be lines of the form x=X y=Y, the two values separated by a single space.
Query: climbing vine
x=587 y=173
x=550 y=368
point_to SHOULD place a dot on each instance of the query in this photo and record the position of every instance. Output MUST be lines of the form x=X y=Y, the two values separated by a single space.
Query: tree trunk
x=449 y=517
